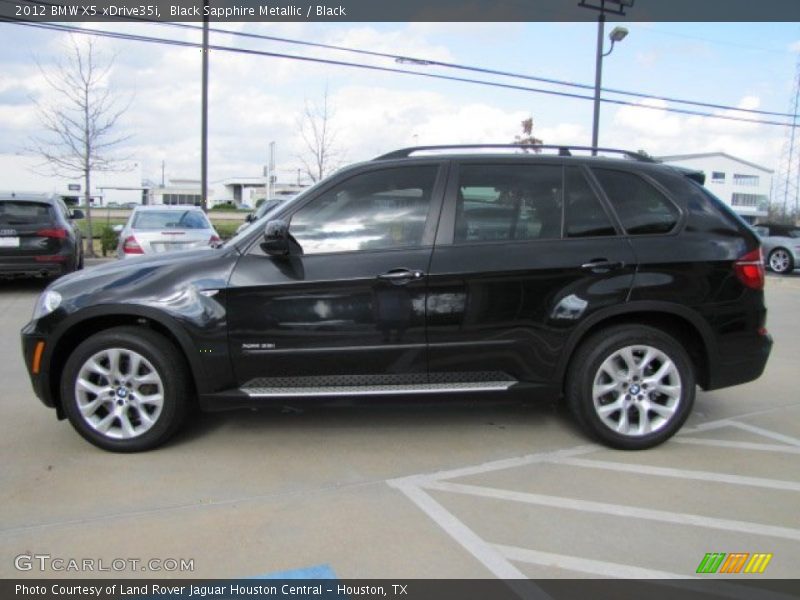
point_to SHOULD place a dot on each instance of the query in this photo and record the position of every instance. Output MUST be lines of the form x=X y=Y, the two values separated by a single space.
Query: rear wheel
x=781 y=261
x=631 y=386
x=125 y=389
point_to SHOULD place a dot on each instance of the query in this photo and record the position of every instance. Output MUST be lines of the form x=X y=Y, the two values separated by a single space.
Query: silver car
x=781 y=244
x=157 y=229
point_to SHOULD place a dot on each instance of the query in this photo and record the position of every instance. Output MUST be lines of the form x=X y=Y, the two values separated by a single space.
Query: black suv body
x=38 y=236
x=620 y=284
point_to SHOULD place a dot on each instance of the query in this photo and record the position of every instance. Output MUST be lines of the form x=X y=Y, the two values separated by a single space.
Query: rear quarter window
x=642 y=208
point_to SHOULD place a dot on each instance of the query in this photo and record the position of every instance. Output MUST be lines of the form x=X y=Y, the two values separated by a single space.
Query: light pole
x=616 y=7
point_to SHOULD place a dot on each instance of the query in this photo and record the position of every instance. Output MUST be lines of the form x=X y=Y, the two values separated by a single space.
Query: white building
x=24 y=173
x=743 y=185
x=245 y=192
x=177 y=192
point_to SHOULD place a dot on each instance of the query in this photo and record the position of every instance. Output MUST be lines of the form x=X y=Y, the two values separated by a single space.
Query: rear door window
x=641 y=208
x=508 y=202
x=585 y=215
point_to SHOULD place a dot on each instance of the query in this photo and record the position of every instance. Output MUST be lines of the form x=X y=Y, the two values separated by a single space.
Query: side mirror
x=117 y=228
x=249 y=218
x=276 y=238
x=76 y=213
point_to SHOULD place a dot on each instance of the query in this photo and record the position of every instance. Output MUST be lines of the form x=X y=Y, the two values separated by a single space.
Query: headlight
x=47 y=303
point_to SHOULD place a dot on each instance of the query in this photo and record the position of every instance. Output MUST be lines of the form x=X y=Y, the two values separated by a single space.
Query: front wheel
x=125 y=389
x=631 y=386
x=780 y=261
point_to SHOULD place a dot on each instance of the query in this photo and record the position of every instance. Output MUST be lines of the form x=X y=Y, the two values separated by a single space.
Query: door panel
x=327 y=315
x=351 y=306
x=511 y=305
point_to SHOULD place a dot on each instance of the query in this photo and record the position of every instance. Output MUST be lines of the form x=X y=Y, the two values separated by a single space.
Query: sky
x=255 y=100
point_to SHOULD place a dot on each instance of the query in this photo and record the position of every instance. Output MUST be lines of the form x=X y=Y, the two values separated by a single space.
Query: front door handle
x=602 y=265
x=401 y=276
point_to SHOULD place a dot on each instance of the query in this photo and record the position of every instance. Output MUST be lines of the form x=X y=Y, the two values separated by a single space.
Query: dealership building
x=742 y=185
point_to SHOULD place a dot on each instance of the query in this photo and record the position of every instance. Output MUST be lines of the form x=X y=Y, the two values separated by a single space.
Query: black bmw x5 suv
x=619 y=284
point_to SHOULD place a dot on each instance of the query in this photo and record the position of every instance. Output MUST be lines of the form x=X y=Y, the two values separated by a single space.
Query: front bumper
x=39 y=380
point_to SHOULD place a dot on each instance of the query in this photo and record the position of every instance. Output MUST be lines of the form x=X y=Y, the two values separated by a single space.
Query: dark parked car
x=619 y=284
x=38 y=236
x=263 y=208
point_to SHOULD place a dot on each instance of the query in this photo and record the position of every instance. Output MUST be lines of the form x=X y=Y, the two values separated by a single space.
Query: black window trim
x=679 y=222
x=431 y=221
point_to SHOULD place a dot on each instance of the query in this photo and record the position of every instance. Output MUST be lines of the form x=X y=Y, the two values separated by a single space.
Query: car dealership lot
x=415 y=491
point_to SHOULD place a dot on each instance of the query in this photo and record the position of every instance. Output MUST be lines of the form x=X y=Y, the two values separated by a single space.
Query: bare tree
x=80 y=124
x=320 y=154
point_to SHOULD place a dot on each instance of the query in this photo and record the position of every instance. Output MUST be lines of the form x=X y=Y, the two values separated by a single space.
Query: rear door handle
x=602 y=265
x=401 y=276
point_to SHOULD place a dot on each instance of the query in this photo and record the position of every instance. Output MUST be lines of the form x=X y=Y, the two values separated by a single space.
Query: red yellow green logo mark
x=735 y=562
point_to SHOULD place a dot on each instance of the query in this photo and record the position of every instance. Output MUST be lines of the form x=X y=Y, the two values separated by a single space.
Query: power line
x=488 y=71
x=167 y=41
x=436 y=63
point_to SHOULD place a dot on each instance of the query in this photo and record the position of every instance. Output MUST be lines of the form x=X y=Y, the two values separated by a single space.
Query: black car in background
x=262 y=209
x=38 y=236
x=619 y=284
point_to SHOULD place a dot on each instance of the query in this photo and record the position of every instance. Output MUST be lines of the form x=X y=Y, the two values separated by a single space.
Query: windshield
x=170 y=219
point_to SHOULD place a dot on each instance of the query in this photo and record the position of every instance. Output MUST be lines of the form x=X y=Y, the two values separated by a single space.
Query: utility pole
x=270 y=170
x=204 y=122
x=598 y=77
x=616 y=7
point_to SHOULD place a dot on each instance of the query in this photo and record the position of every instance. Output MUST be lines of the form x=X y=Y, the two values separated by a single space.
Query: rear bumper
x=747 y=367
x=29 y=266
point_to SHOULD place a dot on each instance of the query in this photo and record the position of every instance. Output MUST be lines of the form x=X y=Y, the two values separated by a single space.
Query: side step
x=316 y=387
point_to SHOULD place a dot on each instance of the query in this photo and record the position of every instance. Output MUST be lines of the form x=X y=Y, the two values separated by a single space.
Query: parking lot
x=456 y=491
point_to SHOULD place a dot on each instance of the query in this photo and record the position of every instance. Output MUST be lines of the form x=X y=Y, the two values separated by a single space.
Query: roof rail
x=562 y=150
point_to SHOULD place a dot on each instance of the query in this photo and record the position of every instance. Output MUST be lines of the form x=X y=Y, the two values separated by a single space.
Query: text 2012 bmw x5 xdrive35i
x=618 y=283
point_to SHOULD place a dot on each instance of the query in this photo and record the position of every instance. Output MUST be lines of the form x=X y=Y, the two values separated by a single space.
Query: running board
x=376 y=390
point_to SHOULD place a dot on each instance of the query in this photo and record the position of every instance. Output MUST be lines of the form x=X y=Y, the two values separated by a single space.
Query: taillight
x=214 y=240
x=55 y=232
x=131 y=246
x=750 y=269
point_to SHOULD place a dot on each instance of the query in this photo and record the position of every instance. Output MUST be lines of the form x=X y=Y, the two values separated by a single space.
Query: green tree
x=527 y=138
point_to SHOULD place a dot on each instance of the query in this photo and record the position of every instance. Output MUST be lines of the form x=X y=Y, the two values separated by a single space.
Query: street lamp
x=616 y=7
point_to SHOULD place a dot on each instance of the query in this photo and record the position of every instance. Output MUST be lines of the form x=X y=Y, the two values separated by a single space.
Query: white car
x=157 y=229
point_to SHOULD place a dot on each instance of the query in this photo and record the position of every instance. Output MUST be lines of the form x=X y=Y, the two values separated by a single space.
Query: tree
x=320 y=154
x=527 y=138
x=80 y=124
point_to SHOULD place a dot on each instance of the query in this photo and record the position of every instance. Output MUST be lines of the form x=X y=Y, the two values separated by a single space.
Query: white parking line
x=583 y=565
x=618 y=510
x=495 y=465
x=737 y=445
x=497 y=557
x=766 y=433
x=775 y=484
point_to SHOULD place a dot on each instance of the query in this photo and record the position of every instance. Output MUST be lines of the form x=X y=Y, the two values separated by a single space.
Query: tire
x=131 y=419
x=780 y=261
x=599 y=377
